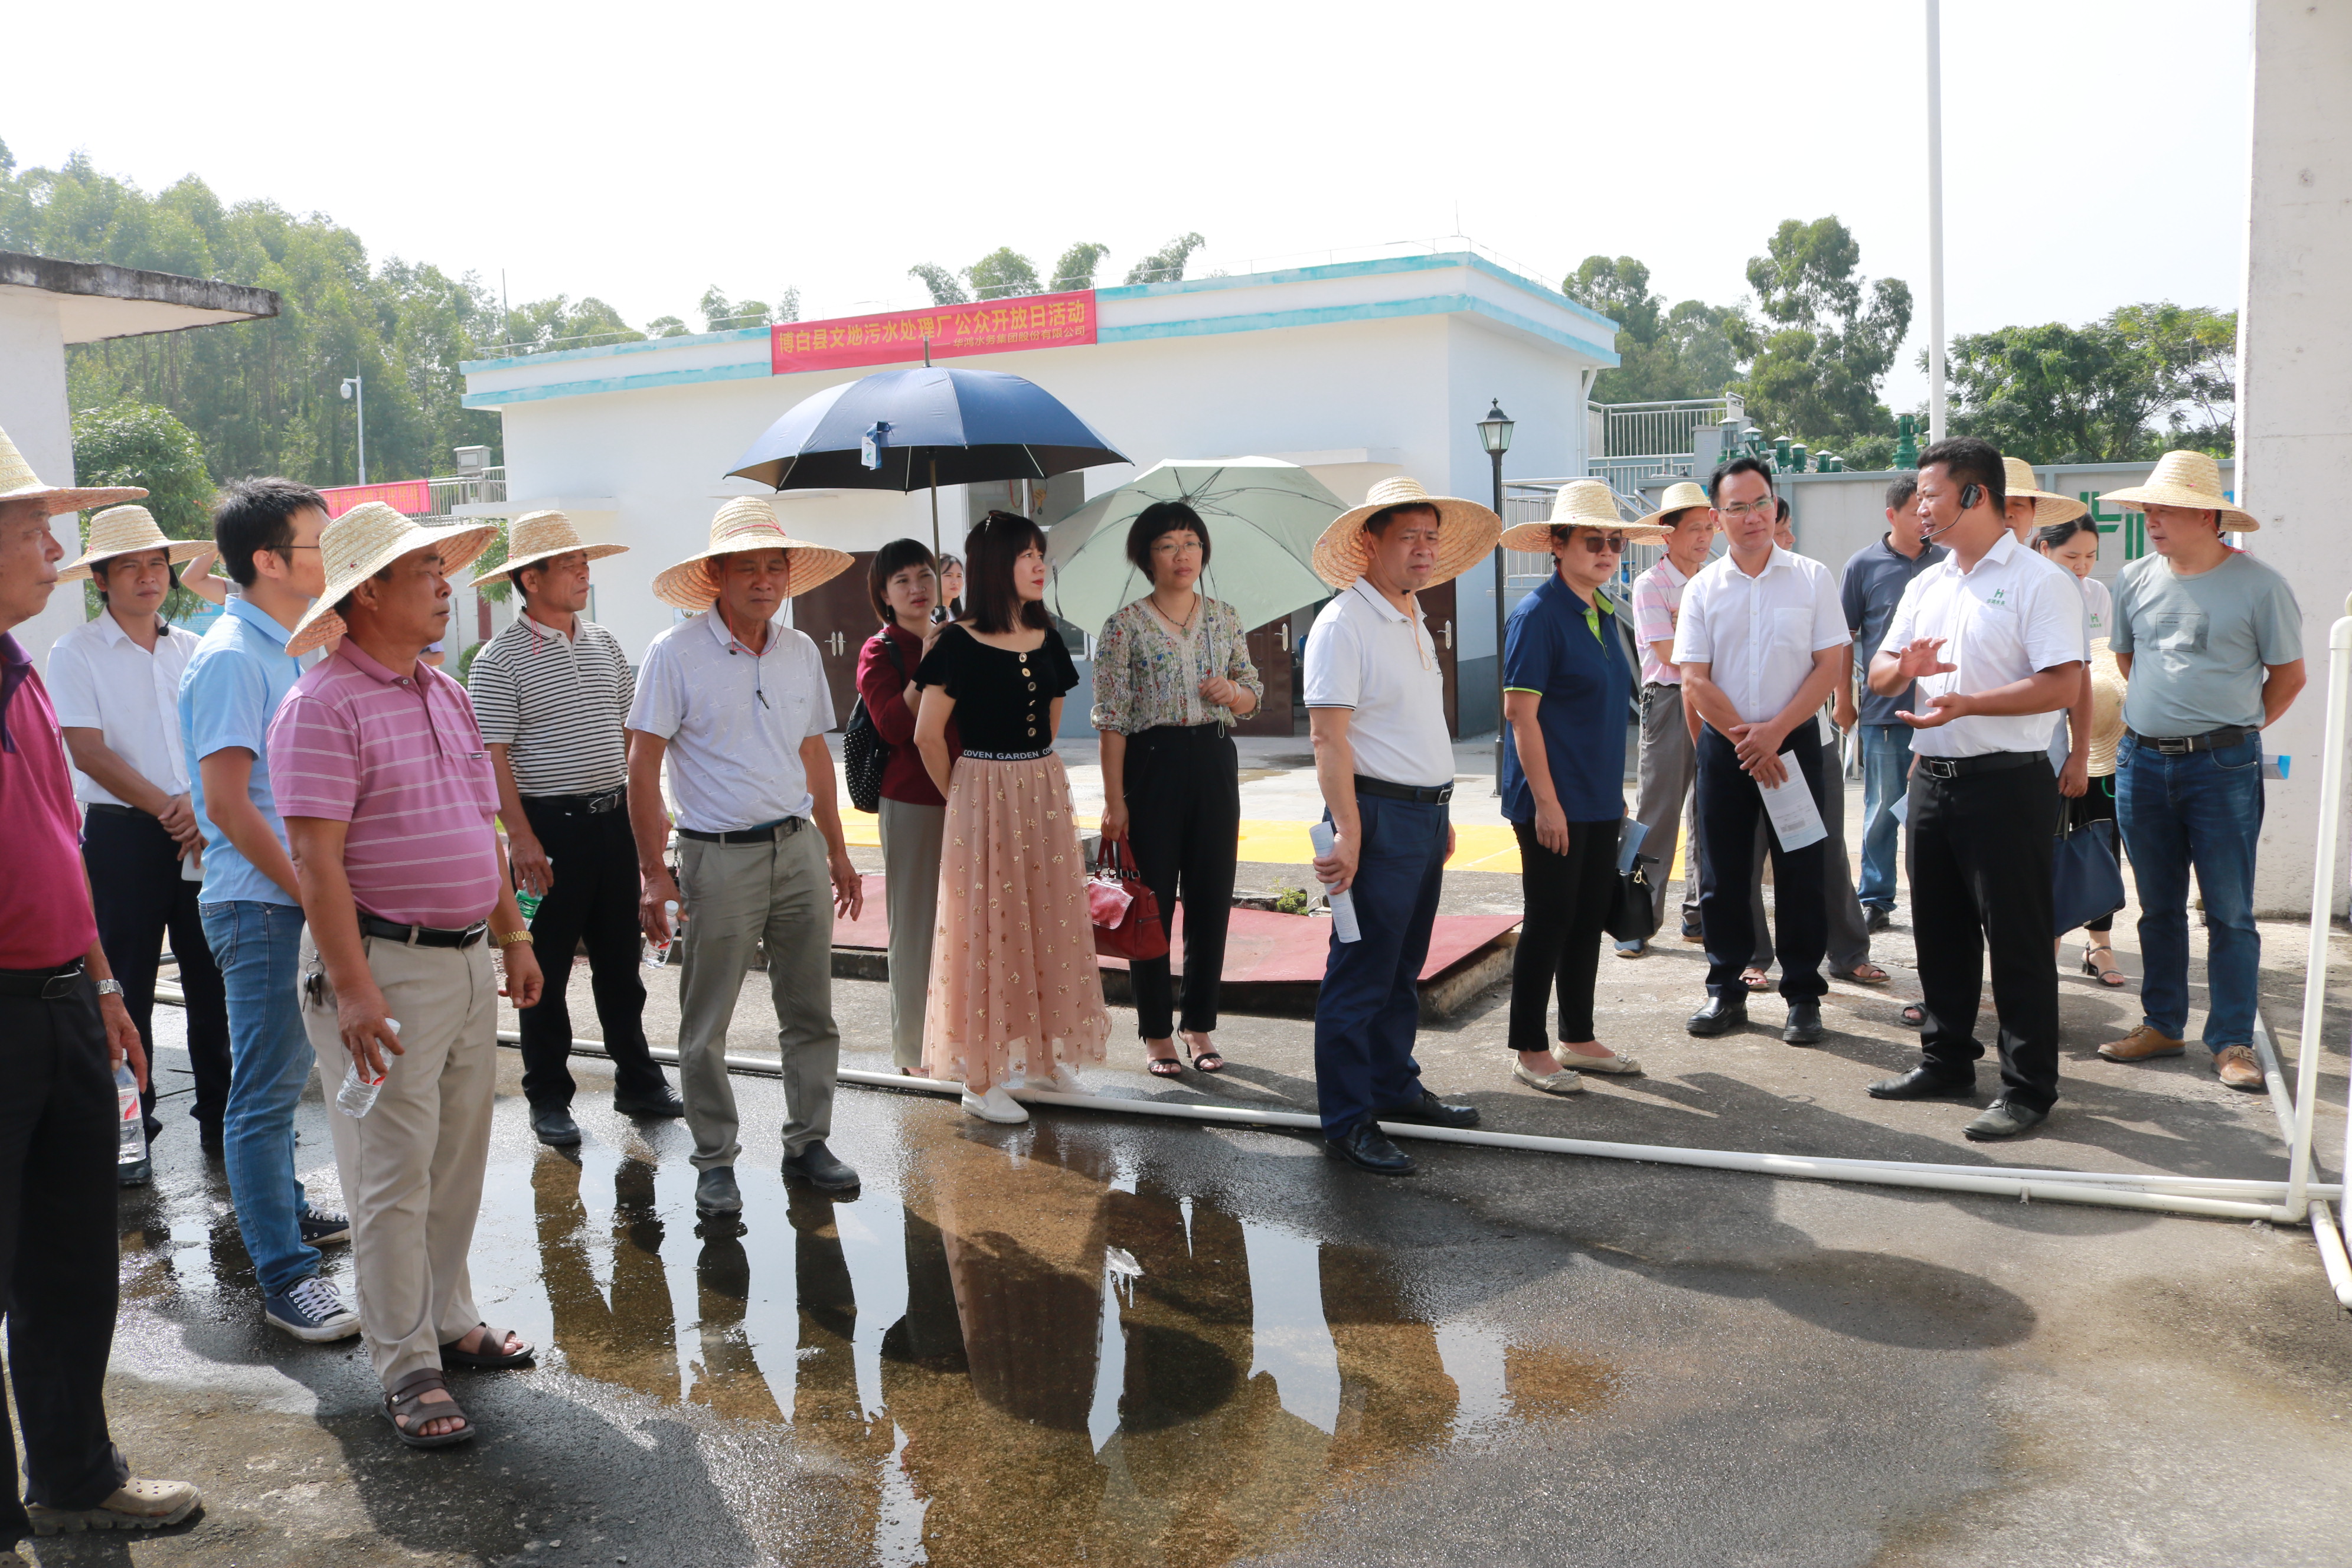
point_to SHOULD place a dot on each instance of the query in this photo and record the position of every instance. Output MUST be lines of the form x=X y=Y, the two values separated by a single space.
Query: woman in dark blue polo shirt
x=1567 y=688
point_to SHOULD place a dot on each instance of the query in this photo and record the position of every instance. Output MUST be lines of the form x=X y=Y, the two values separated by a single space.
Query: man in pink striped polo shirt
x=385 y=789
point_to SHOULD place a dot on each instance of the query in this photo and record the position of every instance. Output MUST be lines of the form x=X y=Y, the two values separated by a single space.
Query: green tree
x=1828 y=338
x=1662 y=353
x=2143 y=378
x=2195 y=352
x=942 y=284
x=140 y=444
x=1166 y=265
x=1003 y=273
x=1076 y=268
x=666 y=327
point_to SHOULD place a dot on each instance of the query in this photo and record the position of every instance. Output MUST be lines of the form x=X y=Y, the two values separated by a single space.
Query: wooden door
x=1269 y=649
x=839 y=617
x=1437 y=611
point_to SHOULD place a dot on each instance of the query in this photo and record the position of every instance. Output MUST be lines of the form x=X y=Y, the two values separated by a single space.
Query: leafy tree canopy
x=944 y=288
x=1003 y=273
x=2141 y=380
x=1816 y=378
x=1166 y=265
x=1076 y=268
x=1662 y=353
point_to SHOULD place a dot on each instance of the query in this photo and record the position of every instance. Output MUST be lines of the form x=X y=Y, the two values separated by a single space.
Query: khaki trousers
x=739 y=897
x=411 y=1168
x=1668 y=769
x=911 y=836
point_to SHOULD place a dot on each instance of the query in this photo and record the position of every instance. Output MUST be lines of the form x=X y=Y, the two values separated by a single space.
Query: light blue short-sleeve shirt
x=236 y=679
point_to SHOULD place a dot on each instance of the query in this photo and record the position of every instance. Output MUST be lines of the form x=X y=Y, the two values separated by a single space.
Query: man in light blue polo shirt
x=268 y=531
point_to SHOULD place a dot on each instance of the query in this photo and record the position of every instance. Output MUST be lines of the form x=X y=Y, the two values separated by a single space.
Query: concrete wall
x=32 y=411
x=2294 y=389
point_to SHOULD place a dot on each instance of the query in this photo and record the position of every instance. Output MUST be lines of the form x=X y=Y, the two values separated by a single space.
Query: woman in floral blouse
x=1171 y=671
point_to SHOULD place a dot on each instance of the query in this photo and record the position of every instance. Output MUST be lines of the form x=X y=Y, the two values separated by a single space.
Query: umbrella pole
x=935 y=480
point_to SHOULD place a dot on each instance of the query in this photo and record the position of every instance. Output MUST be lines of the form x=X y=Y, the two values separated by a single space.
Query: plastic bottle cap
x=669 y=906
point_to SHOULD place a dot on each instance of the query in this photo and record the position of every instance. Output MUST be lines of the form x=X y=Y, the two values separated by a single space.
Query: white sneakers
x=996 y=1105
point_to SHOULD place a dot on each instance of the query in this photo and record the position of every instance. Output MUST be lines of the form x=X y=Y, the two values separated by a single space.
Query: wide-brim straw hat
x=2048 y=508
x=538 y=536
x=363 y=542
x=2180 y=479
x=1681 y=496
x=18 y=482
x=126 y=530
x=1580 y=503
x=747 y=522
x=2108 y=689
x=1467 y=533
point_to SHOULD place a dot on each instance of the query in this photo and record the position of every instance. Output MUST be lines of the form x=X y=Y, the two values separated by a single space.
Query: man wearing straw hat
x=1668 y=766
x=116 y=680
x=737 y=703
x=1376 y=712
x=2211 y=642
x=390 y=807
x=63 y=1032
x=552 y=693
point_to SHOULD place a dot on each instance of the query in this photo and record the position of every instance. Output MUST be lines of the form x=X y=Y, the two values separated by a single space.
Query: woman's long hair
x=994 y=605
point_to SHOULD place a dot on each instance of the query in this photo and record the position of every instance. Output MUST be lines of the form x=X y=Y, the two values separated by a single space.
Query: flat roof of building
x=96 y=299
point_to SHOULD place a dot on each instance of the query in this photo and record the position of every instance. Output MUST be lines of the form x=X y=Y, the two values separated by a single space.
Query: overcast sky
x=2094 y=150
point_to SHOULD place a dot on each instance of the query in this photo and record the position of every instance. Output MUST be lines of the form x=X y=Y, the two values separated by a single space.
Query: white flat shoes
x=1065 y=1080
x=996 y=1105
x=1561 y=1082
x=1612 y=1063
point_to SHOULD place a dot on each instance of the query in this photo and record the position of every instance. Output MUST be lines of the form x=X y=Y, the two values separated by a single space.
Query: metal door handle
x=1449 y=636
x=1283 y=631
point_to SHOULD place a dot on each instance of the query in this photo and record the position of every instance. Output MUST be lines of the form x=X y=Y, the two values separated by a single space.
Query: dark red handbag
x=1125 y=913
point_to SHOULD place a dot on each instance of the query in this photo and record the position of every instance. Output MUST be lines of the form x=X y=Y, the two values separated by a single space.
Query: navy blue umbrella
x=908 y=430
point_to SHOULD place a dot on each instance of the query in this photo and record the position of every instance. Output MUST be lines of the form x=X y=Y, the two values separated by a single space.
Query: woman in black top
x=1014 y=989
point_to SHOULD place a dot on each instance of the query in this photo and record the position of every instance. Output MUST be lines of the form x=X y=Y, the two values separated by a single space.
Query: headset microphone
x=1970 y=495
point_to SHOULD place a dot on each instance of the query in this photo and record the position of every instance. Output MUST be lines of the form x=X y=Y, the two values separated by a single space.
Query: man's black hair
x=1377 y=525
x=257 y=514
x=1901 y=492
x=1970 y=460
x=1746 y=463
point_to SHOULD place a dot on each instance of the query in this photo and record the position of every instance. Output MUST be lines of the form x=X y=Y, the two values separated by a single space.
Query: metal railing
x=470 y=489
x=1530 y=501
x=1633 y=430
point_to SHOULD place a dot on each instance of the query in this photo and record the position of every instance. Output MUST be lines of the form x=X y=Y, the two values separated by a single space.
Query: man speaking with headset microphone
x=1993 y=635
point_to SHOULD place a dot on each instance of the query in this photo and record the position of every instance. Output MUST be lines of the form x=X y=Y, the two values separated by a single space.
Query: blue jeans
x=1370 y=1006
x=1885 y=775
x=257 y=947
x=2203 y=809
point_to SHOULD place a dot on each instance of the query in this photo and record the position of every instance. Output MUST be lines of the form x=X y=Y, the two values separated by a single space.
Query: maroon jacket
x=884 y=686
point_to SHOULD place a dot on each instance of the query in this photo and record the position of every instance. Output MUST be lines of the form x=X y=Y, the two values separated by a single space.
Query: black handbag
x=863 y=752
x=1633 y=908
x=2086 y=880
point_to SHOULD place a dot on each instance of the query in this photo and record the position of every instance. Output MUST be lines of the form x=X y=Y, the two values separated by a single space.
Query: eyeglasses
x=1605 y=543
x=1740 y=510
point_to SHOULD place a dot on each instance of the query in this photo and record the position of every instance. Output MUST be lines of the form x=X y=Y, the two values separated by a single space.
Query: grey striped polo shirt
x=557 y=704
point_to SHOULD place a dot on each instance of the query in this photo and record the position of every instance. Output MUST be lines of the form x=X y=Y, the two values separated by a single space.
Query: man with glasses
x=1669 y=759
x=1760 y=643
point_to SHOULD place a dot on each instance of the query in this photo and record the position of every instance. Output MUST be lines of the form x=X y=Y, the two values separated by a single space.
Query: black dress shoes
x=1367 y=1147
x=1430 y=1111
x=660 y=1102
x=2003 y=1118
x=1719 y=1017
x=1804 y=1027
x=818 y=1167
x=554 y=1126
x=1923 y=1083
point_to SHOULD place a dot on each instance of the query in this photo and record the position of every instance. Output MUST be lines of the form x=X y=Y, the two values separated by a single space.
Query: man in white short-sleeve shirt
x=736 y=701
x=1760 y=643
x=1376 y=710
x=1993 y=636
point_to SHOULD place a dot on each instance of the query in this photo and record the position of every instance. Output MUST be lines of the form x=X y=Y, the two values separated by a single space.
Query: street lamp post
x=1494 y=435
x=355 y=394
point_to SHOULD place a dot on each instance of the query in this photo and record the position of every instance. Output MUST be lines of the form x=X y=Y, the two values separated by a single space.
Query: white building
x=1355 y=370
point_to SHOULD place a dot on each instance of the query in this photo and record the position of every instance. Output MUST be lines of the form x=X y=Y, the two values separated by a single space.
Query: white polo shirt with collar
x=1367 y=655
x=99 y=678
x=2015 y=613
x=734 y=721
x=1758 y=635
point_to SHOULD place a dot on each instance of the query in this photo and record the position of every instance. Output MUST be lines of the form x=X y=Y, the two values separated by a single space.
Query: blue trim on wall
x=1383 y=310
x=605 y=350
x=759 y=372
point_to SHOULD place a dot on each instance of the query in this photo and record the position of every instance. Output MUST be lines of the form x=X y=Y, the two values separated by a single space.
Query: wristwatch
x=109 y=988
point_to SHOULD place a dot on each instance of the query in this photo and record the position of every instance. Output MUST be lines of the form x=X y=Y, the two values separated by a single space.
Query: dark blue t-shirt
x=1570 y=656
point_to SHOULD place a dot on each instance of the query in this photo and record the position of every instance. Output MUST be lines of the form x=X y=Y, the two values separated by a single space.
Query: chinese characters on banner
x=997 y=326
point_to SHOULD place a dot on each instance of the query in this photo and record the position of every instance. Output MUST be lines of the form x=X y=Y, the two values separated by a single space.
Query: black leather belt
x=1990 y=763
x=1421 y=794
x=2181 y=745
x=579 y=804
x=422 y=936
x=767 y=834
x=111 y=809
x=48 y=985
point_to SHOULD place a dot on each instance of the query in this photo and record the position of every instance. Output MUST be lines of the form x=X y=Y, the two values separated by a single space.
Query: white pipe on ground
x=2323 y=910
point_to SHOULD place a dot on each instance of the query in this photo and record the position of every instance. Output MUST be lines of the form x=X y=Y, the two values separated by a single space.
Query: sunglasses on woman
x=1604 y=544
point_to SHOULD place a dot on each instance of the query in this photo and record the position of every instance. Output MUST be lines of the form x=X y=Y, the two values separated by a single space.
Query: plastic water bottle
x=656 y=953
x=526 y=904
x=357 y=1097
x=133 y=1168
x=1343 y=904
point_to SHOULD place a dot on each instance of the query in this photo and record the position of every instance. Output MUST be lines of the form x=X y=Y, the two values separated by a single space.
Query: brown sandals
x=486 y=1359
x=404 y=1406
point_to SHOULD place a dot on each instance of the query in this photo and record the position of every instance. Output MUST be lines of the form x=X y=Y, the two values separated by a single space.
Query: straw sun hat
x=747 y=523
x=1681 y=496
x=538 y=536
x=2047 y=508
x=1580 y=503
x=126 y=530
x=2180 y=479
x=363 y=542
x=1468 y=531
x=18 y=482
x=2106 y=708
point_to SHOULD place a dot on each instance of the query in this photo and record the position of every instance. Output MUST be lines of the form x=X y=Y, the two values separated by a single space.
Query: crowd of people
x=354 y=856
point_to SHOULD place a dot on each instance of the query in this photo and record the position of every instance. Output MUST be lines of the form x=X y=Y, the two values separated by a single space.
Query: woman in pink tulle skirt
x=1016 y=994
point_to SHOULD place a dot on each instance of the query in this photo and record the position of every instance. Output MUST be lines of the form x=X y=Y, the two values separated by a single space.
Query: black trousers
x=1184 y=816
x=1729 y=807
x=1980 y=856
x=57 y=1251
x=1566 y=900
x=135 y=882
x=593 y=898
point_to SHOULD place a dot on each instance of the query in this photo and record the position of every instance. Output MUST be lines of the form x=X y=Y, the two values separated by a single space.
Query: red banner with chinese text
x=414 y=497
x=998 y=326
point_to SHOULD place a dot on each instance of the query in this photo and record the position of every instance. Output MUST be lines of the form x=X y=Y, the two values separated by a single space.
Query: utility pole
x=355 y=394
x=1934 y=223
